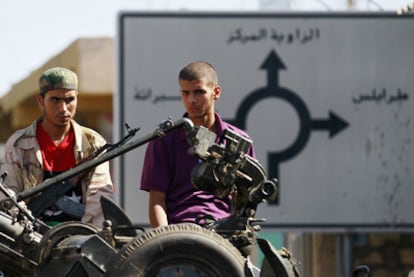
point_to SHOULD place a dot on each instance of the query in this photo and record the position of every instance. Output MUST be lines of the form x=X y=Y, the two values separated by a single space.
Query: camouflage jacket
x=24 y=166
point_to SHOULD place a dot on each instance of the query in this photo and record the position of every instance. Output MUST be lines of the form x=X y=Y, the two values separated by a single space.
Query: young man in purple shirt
x=166 y=172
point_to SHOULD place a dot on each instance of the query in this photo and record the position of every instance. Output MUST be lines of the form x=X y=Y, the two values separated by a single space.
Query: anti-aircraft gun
x=28 y=247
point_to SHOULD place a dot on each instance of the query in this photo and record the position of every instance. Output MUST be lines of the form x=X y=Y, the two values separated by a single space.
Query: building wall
x=387 y=254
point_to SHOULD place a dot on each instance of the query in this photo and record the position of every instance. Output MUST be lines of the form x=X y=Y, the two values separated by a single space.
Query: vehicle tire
x=182 y=249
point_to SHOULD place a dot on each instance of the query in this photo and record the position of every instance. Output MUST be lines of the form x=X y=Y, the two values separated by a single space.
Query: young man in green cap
x=53 y=144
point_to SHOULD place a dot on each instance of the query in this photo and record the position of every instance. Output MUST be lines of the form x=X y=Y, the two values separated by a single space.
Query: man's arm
x=96 y=184
x=24 y=170
x=157 y=209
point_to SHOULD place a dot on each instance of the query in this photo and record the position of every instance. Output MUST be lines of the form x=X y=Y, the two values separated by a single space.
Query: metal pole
x=344 y=264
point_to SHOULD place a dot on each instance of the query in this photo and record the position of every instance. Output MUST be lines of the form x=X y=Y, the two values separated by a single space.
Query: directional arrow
x=334 y=124
x=273 y=64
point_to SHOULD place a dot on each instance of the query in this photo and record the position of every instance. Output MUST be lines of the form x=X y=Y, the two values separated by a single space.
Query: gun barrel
x=164 y=128
x=265 y=191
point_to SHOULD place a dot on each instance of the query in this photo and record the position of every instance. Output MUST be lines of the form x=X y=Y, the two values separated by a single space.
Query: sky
x=31 y=32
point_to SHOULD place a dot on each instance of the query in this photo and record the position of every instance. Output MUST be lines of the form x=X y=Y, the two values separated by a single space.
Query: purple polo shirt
x=167 y=168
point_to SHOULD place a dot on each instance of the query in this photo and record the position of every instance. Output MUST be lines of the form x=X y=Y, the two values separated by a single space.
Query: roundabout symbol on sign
x=333 y=124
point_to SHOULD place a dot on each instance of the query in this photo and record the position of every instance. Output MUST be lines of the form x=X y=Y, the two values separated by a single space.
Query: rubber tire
x=184 y=245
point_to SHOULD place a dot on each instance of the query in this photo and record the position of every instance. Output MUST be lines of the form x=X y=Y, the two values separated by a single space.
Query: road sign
x=327 y=99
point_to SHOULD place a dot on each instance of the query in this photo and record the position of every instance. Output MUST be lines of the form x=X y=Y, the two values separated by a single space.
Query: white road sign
x=327 y=99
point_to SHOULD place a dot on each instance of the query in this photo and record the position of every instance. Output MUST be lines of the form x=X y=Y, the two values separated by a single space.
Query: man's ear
x=217 y=92
x=39 y=100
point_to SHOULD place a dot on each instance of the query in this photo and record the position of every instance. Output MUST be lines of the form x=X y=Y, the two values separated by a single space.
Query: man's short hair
x=197 y=70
